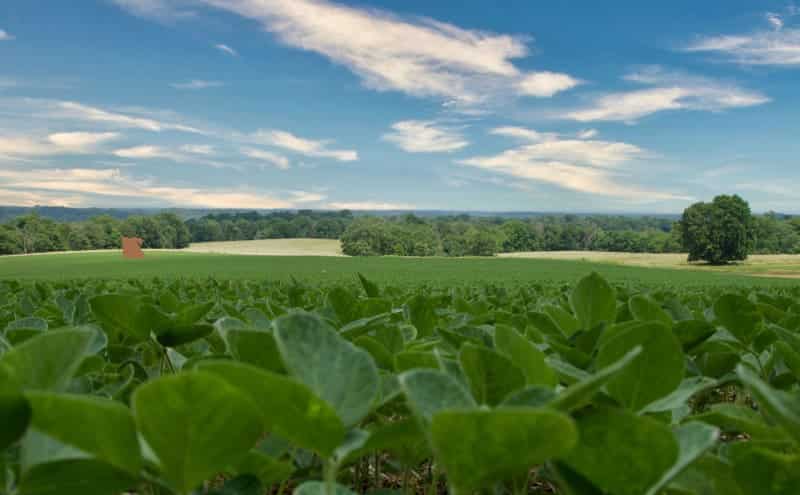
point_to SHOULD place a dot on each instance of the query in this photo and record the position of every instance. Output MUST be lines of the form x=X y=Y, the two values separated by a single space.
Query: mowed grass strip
x=755 y=263
x=271 y=247
x=389 y=270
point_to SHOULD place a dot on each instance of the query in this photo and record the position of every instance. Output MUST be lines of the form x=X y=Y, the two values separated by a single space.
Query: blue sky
x=622 y=106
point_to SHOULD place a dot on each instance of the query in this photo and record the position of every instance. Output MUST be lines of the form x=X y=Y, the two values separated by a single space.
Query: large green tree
x=718 y=232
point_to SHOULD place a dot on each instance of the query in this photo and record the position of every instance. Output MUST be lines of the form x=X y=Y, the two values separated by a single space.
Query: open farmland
x=777 y=265
x=271 y=247
x=393 y=270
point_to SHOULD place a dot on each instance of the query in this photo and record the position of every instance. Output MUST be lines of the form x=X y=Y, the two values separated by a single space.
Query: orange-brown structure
x=132 y=247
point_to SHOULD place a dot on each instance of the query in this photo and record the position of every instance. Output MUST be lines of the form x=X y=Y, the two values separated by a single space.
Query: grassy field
x=383 y=269
x=271 y=247
x=776 y=265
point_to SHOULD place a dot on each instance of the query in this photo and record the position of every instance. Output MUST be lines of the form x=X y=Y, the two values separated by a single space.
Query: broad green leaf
x=778 y=405
x=622 y=453
x=363 y=326
x=734 y=419
x=173 y=334
x=491 y=376
x=565 y=321
x=403 y=439
x=655 y=373
x=196 y=424
x=333 y=368
x=760 y=471
x=380 y=354
x=478 y=448
x=24 y=328
x=289 y=408
x=256 y=347
x=580 y=393
x=75 y=477
x=593 y=301
x=37 y=448
x=370 y=288
x=422 y=314
x=122 y=313
x=344 y=304
x=707 y=475
x=15 y=411
x=692 y=332
x=409 y=360
x=246 y=484
x=694 y=439
x=430 y=391
x=320 y=488
x=645 y=309
x=267 y=469
x=681 y=395
x=526 y=356
x=530 y=396
x=791 y=358
x=193 y=314
x=739 y=316
x=100 y=427
x=716 y=358
x=28 y=323
x=47 y=361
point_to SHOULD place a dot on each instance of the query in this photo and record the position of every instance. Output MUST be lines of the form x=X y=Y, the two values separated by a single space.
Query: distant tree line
x=401 y=235
x=33 y=233
x=274 y=225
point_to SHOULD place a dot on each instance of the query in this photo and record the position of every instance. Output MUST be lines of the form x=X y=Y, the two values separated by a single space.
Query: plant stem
x=330 y=477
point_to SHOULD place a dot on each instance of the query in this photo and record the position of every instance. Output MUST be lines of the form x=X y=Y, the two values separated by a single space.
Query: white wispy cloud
x=420 y=57
x=523 y=133
x=226 y=49
x=669 y=91
x=307 y=147
x=144 y=152
x=82 y=184
x=17 y=197
x=60 y=143
x=198 y=149
x=83 y=142
x=306 y=196
x=5 y=36
x=775 y=20
x=160 y=10
x=587 y=133
x=187 y=154
x=587 y=166
x=777 y=46
x=546 y=84
x=197 y=84
x=369 y=205
x=425 y=136
x=71 y=110
x=274 y=159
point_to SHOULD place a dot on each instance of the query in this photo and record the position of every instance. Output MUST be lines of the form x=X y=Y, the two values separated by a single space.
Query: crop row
x=245 y=388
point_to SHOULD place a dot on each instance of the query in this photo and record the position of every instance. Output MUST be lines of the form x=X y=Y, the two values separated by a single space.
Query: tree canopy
x=718 y=232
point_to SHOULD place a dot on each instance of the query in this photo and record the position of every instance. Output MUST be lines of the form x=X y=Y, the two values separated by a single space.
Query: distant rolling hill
x=67 y=214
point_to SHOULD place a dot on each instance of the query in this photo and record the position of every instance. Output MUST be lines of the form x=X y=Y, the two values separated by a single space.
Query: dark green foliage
x=52 y=229
x=718 y=232
x=358 y=386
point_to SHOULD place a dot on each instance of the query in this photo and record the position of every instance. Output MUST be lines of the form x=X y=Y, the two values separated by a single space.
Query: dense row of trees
x=469 y=236
x=404 y=235
x=276 y=225
x=35 y=234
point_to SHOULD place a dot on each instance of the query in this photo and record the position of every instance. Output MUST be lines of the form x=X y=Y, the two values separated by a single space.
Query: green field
x=383 y=269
